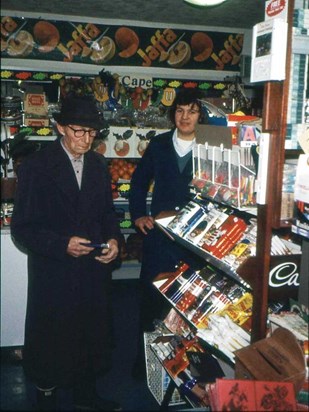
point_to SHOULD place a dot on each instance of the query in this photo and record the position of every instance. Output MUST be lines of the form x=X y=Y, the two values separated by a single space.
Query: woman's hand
x=143 y=223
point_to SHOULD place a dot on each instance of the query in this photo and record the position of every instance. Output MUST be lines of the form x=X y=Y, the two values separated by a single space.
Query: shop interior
x=135 y=101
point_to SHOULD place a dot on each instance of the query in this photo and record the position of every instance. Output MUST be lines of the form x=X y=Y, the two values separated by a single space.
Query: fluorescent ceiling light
x=205 y=2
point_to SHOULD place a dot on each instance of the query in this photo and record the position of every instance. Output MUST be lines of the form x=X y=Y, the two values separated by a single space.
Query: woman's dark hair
x=185 y=97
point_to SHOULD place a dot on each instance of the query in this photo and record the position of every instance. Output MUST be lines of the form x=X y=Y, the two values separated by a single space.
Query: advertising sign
x=89 y=43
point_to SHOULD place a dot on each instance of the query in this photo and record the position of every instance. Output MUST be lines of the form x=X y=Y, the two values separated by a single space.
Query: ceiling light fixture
x=205 y=3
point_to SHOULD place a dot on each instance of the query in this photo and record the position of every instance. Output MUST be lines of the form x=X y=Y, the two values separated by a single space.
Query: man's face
x=186 y=118
x=77 y=139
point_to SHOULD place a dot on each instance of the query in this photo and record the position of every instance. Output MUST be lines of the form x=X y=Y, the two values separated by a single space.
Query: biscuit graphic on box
x=46 y=35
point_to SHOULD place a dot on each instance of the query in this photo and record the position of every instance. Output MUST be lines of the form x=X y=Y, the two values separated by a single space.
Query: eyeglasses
x=81 y=132
x=190 y=112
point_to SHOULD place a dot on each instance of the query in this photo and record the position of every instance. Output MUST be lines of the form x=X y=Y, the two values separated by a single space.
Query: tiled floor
x=18 y=395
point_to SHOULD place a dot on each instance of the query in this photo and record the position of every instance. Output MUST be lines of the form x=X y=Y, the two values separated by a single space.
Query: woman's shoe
x=139 y=371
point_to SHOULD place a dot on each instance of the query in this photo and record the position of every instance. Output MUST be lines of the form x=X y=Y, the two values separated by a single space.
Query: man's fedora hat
x=80 y=111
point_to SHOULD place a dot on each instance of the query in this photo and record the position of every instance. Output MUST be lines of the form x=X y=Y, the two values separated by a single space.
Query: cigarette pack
x=180 y=221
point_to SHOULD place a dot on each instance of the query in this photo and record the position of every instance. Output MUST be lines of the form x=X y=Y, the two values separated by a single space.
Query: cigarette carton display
x=36 y=104
x=36 y=121
x=182 y=218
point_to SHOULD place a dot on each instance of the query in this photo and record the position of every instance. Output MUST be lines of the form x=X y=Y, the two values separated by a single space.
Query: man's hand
x=143 y=223
x=75 y=248
x=107 y=255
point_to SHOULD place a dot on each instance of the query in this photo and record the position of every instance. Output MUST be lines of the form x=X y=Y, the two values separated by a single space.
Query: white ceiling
x=232 y=14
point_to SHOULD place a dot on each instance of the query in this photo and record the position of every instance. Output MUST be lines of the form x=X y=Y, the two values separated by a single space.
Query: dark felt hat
x=80 y=111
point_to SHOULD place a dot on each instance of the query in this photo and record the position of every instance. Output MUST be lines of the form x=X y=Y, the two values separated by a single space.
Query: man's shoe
x=97 y=404
x=46 y=400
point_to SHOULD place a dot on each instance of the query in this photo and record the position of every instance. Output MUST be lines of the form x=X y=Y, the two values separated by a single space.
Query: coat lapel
x=61 y=171
x=89 y=180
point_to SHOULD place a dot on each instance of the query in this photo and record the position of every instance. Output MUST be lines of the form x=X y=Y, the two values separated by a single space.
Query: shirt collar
x=71 y=157
x=181 y=146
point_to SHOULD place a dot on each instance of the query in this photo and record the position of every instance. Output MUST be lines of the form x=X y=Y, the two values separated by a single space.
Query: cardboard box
x=234 y=121
x=277 y=358
x=248 y=395
x=287 y=206
x=35 y=103
x=36 y=121
x=214 y=135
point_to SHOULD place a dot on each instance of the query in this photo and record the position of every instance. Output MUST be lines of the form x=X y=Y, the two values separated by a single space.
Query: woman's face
x=186 y=118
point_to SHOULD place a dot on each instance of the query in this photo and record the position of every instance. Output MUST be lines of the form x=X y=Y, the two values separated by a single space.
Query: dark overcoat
x=68 y=319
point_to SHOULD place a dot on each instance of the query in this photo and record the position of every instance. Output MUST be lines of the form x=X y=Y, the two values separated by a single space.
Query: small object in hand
x=96 y=245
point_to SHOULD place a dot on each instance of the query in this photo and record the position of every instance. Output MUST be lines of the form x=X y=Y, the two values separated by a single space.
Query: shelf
x=158 y=379
x=216 y=262
x=121 y=201
x=279 y=286
x=249 y=211
x=213 y=349
x=128 y=231
x=177 y=367
x=124 y=200
x=212 y=260
x=300 y=44
x=129 y=269
x=42 y=138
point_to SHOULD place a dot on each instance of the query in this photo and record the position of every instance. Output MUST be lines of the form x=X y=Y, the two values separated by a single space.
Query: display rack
x=256 y=270
x=158 y=380
x=227 y=175
x=245 y=273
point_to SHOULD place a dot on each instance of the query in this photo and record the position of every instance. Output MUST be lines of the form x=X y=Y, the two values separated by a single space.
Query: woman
x=167 y=162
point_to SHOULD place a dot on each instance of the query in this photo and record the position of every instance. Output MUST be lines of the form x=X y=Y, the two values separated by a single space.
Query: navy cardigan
x=159 y=164
x=171 y=191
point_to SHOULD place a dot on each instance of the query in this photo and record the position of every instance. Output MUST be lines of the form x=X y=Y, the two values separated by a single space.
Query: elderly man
x=64 y=218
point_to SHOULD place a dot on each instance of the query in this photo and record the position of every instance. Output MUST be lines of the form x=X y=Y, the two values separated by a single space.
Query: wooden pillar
x=274 y=122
